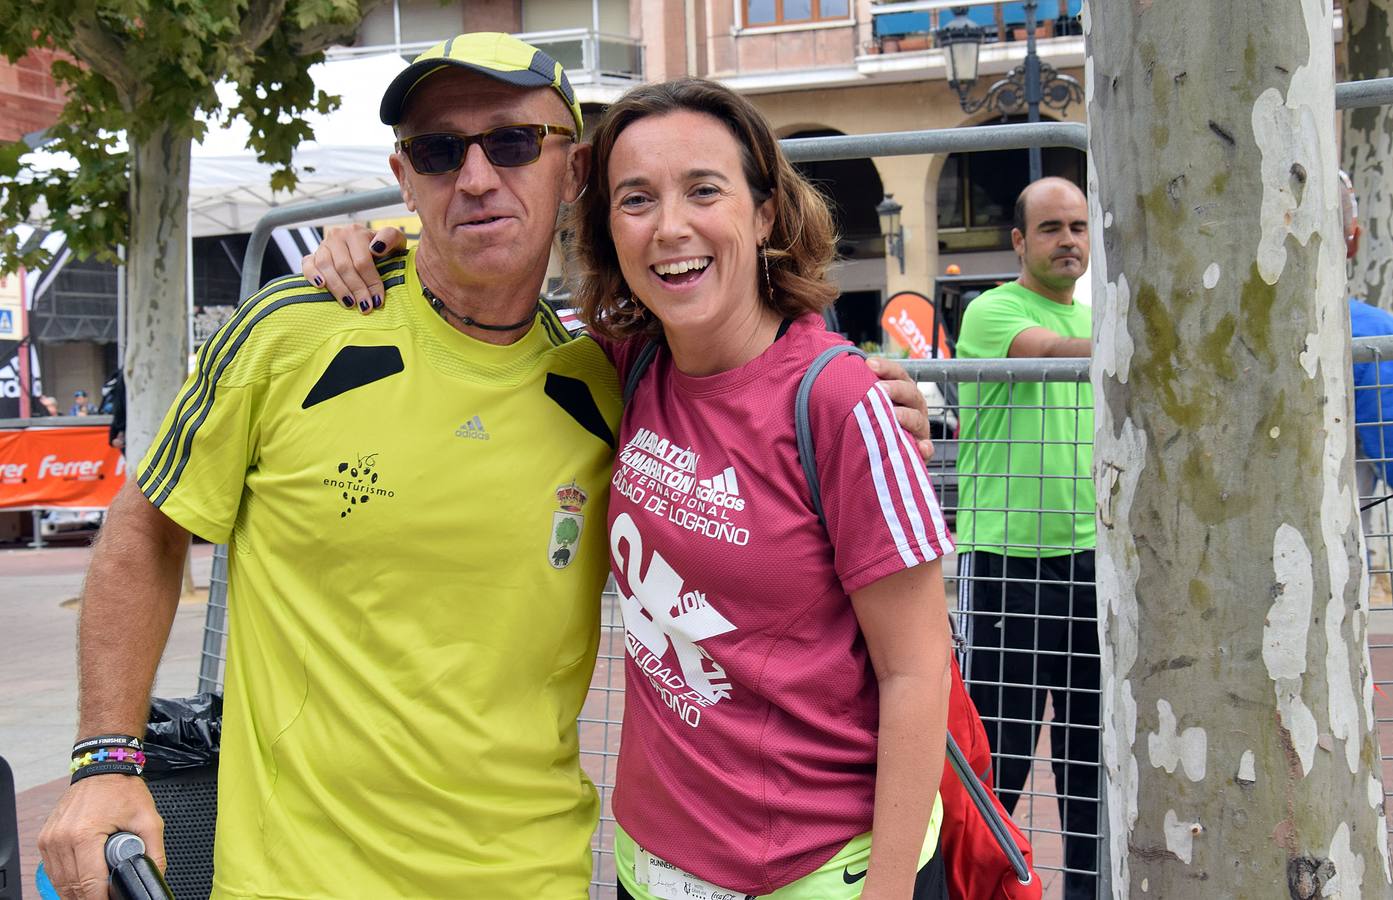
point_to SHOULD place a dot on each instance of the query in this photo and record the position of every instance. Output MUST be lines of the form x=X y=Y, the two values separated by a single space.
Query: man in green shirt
x=1025 y=523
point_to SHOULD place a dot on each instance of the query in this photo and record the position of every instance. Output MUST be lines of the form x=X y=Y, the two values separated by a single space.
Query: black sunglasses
x=507 y=146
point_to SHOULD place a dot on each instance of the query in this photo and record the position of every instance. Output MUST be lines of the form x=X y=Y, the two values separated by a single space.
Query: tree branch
x=259 y=22
x=327 y=34
x=106 y=56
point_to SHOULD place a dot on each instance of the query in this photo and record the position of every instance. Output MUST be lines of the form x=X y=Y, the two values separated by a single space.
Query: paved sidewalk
x=38 y=673
x=38 y=655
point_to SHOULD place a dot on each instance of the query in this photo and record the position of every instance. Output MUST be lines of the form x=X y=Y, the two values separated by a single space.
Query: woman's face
x=684 y=222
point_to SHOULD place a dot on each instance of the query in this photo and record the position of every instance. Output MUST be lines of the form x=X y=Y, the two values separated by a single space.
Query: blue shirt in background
x=1373 y=390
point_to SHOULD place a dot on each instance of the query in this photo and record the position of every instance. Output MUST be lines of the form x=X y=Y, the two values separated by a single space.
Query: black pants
x=929 y=885
x=1032 y=633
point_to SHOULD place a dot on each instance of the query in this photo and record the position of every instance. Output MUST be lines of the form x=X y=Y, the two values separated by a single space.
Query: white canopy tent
x=229 y=190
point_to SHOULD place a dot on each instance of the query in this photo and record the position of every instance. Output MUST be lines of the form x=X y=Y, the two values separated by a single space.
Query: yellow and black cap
x=490 y=53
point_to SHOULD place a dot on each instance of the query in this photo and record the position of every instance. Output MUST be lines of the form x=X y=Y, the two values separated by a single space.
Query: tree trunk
x=1238 y=728
x=1367 y=149
x=157 y=345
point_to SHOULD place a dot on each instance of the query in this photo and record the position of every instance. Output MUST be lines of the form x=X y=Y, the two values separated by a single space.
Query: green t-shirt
x=416 y=522
x=1026 y=454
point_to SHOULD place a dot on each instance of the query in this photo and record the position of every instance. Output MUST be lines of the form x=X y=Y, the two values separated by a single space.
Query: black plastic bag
x=183 y=733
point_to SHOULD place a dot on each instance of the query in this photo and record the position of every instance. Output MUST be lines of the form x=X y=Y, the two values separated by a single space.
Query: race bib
x=667 y=882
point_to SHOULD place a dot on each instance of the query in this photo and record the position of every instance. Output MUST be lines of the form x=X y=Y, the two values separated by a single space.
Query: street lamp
x=889 y=212
x=961 y=40
x=1027 y=85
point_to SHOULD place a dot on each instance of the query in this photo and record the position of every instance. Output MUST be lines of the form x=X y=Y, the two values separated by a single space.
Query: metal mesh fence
x=1012 y=468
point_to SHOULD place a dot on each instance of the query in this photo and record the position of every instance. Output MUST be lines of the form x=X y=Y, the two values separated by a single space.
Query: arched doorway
x=853 y=188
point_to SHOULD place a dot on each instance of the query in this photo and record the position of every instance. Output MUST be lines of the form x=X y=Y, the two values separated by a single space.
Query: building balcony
x=601 y=66
x=910 y=25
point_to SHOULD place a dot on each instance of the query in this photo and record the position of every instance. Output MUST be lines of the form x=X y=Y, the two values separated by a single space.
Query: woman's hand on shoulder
x=910 y=409
x=345 y=264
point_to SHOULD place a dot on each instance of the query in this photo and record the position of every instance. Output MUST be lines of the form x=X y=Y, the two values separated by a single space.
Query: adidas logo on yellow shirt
x=474 y=428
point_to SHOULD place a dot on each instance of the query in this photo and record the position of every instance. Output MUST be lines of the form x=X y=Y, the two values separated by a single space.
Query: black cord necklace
x=446 y=312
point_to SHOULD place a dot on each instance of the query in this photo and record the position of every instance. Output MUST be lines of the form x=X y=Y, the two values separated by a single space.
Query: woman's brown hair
x=800 y=246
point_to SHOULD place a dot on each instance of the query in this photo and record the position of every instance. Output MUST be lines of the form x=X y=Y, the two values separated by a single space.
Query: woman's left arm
x=904 y=618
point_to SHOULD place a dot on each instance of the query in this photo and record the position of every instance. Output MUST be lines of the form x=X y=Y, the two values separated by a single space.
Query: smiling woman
x=785 y=677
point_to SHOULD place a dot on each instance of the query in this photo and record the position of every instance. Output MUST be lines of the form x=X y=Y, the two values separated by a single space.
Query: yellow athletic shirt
x=416 y=523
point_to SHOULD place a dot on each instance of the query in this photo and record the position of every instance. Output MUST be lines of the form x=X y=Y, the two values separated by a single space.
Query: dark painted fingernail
x=318 y=282
x=348 y=302
x=378 y=246
x=376 y=302
x=363 y=305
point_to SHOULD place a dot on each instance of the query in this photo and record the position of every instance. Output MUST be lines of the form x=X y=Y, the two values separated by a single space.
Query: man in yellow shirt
x=415 y=506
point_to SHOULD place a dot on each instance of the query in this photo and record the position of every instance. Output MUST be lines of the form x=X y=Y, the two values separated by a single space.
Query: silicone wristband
x=106 y=768
x=119 y=755
x=112 y=741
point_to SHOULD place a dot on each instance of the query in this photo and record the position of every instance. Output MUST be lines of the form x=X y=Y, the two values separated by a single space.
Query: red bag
x=976 y=865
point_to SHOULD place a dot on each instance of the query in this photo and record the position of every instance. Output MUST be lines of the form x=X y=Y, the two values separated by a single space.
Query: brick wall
x=29 y=99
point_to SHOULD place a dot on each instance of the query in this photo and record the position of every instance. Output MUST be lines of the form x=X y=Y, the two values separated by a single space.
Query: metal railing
x=589 y=56
x=1057 y=819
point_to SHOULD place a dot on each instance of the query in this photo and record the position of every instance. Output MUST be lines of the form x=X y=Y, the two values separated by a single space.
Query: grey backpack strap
x=641 y=364
x=802 y=426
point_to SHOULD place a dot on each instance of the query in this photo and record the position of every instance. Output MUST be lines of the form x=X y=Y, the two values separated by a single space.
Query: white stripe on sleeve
x=890 y=431
x=882 y=490
x=940 y=539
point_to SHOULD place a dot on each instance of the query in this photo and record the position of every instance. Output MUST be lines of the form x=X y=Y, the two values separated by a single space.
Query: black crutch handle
x=134 y=876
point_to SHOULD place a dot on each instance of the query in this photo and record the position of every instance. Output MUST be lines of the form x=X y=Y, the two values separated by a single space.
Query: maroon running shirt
x=749 y=735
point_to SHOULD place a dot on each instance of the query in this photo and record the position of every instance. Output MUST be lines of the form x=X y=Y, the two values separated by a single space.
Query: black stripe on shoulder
x=354 y=367
x=573 y=396
x=207 y=358
x=558 y=332
x=394 y=282
x=193 y=418
x=394 y=263
x=275 y=285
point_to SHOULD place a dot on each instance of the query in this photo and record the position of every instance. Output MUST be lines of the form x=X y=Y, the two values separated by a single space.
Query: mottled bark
x=157 y=346
x=1367 y=149
x=1237 y=698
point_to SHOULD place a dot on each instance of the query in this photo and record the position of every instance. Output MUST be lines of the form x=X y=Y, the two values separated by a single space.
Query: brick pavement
x=38 y=711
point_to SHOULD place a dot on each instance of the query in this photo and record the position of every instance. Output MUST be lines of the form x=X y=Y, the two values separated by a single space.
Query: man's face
x=1054 y=247
x=494 y=222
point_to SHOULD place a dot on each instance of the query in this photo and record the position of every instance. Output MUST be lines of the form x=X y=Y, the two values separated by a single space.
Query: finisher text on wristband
x=109 y=741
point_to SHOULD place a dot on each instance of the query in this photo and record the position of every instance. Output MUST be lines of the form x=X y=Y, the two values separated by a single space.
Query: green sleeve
x=990 y=324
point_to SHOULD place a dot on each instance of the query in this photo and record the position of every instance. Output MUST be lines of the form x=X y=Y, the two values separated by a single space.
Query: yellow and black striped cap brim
x=499 y=56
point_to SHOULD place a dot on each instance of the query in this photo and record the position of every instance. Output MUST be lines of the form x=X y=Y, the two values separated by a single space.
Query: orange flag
x=910 y=321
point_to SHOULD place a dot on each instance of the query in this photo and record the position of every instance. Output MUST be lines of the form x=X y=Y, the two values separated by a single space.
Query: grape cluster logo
x=357 y=483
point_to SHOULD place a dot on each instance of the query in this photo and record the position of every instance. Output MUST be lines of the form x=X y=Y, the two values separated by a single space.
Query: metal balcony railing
x=589 y=56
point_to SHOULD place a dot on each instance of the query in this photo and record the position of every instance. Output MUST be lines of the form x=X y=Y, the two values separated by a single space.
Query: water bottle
x=134 y=876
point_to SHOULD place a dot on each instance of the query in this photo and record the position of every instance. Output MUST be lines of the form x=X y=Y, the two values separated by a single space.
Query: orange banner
x=59 y=467
x=909 y=320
